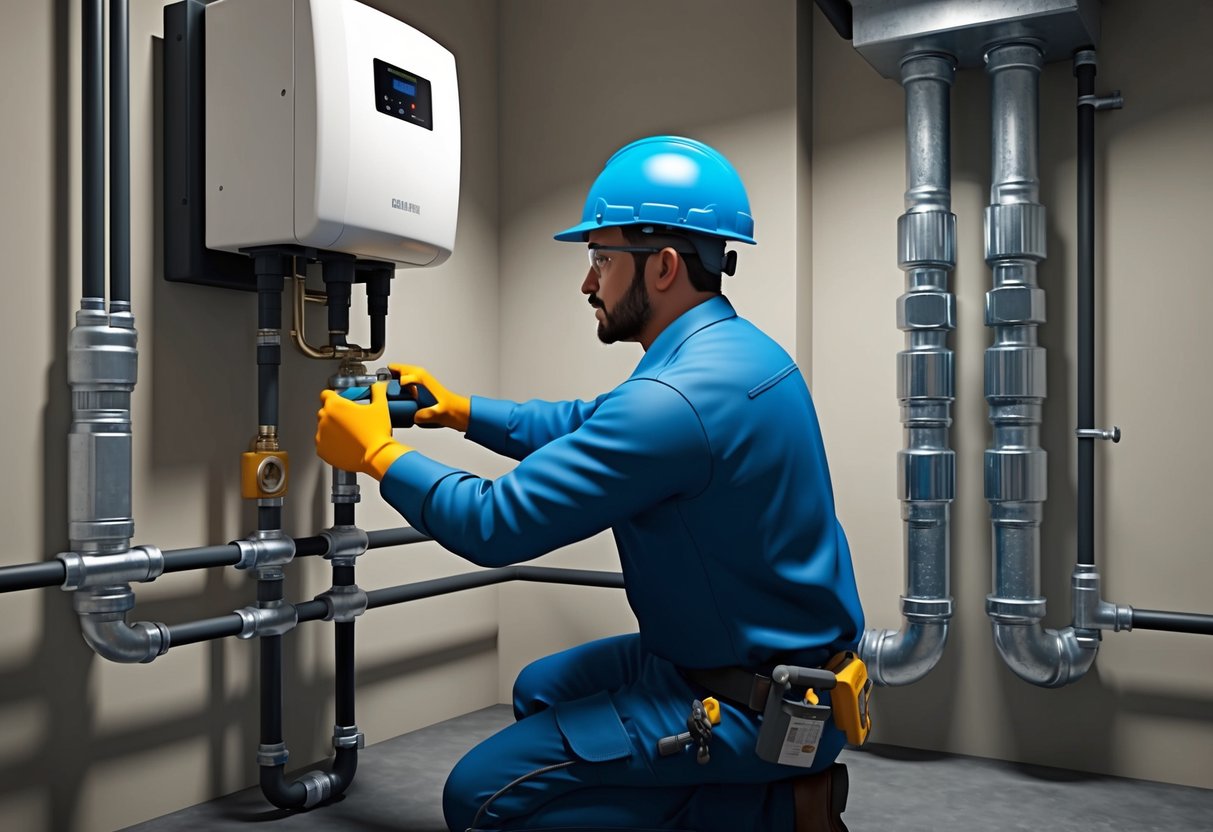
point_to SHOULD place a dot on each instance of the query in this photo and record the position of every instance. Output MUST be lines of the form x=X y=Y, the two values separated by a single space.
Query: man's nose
x=590 y=285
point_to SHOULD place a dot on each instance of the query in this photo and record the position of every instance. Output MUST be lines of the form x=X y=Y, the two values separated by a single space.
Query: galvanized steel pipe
x=1016 y=465
x=926 y=237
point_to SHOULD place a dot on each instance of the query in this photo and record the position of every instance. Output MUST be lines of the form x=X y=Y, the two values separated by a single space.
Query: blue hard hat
x=667 y=181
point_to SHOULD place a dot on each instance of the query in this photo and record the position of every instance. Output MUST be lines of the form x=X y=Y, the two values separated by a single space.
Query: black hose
x=488 y=577
x=1085 y=73
x=92 y=96
x=32 y=576
x=120 y=157
x=840 y=15
x=1173 y=622
x=208 y=630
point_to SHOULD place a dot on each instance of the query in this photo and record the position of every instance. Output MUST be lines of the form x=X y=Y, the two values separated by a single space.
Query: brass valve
x=264 y=467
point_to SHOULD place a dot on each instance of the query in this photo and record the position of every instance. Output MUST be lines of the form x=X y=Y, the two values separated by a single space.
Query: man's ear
x=670 y=265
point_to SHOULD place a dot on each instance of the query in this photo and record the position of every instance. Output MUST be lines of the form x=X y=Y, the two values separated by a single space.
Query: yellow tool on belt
x=851 y=697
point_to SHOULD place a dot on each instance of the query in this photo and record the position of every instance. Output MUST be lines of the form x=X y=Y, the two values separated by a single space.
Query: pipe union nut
x=348 y=736
x=1015 y=610
x=345 y=541
x=343 y=603
x=1015 y=230
x=926 y=310
x=925 y=375
x=926 y=475
x=265 y=549
x=1015 y=305
x=274 y=754
x=926 y=239
x=268 y=621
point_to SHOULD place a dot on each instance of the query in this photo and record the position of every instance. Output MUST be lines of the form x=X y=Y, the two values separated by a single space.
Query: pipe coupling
x=926 y=239
x=140 y=564
x=273 y=754
x=343 y=603
x=1015 y=610
x=265 y=549
x=345 y=543
x=273 y=619
x=318 y=787
x=348 y=736
x=1091 y=612
x=345 y=487
x=926 y=610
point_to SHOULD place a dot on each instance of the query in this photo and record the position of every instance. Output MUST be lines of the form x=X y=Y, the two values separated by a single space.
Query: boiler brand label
x=401 y=205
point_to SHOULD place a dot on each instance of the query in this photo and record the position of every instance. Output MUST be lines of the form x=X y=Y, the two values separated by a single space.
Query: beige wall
x=1145 y=710
x=90 y=745
x=548 y=90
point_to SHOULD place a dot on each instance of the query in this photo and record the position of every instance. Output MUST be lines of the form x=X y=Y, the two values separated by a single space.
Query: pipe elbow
x=118 y=641
x=902 y=657
x=1043 y=657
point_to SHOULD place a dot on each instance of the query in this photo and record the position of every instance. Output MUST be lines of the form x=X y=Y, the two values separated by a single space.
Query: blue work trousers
x=604 y=706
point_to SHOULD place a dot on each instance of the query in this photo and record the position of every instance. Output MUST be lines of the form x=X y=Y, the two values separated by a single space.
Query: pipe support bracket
x=140 y=564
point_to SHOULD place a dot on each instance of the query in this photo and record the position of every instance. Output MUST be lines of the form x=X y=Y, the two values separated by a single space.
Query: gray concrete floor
x=399 y=788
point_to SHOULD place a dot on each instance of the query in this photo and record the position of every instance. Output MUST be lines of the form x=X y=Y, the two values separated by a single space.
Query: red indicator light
x=414 y=106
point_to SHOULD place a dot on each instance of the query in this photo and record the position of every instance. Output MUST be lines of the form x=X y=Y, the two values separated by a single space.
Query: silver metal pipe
x=1016 y=466
x=926 y=237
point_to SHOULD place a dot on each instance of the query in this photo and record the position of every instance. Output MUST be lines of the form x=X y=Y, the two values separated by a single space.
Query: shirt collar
x=711 y=311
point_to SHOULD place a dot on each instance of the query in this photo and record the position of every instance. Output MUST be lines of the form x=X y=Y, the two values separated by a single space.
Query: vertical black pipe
x=92 y=94
x=1084 y=70
x=378 y=289
x=338 y=274
x=120 y=157
x=271 y=270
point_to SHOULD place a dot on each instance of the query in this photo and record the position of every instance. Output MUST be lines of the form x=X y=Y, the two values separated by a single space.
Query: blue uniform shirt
x=708 y=465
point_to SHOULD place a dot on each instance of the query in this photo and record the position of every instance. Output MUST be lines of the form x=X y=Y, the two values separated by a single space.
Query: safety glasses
x=599 y=261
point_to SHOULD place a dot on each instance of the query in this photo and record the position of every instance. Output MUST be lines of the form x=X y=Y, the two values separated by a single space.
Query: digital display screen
x=403 y=95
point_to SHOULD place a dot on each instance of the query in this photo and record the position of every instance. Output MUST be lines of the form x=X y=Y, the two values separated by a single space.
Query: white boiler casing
x=329 y=125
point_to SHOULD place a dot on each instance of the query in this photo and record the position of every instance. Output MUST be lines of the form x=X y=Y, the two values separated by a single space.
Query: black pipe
x=378 y=289
x=210 y=629
x=472 y=580
x=93 y=164
x=840 y=15
x=274 y=785
x=1085 y=73
x=338 y=275
x=1173 y=622
x=404 y=535
x=271 y=270
x=311 y=611
x=202 y=557
x=32 y=576
x=120 y=157
x=343 y=514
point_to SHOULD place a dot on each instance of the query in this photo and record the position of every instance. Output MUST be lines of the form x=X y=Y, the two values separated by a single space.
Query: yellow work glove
x=357 y=437
x=451 y=411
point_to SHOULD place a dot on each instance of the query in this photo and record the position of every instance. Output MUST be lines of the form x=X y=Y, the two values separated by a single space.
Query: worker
x=707 y=464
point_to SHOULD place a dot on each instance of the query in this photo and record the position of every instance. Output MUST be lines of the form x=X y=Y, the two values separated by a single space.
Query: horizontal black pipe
x=311 y=610
x=194 y=632
x=471 y=580
x=201 y=557
x=1173 y=622
x=394 y=537
x=32 y=576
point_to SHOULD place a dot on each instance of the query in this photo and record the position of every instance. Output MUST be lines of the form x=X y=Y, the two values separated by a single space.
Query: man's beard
x=629 y=316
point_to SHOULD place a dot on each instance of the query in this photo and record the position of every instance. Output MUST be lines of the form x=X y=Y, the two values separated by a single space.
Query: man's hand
x=357 y=437
x=451 y=411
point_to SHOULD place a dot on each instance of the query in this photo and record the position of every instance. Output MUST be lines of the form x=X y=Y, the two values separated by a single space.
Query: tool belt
x=845 y=674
